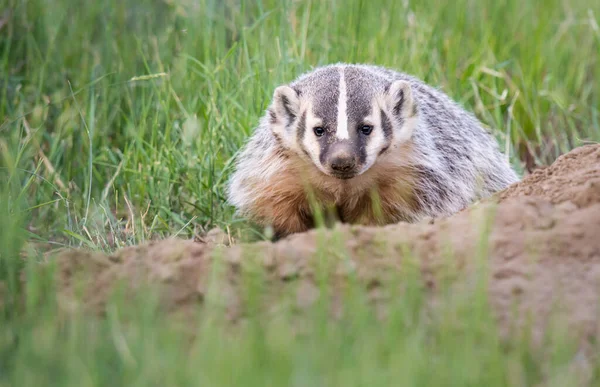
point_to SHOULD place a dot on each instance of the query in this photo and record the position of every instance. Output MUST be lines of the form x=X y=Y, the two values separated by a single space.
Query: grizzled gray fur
x=376 y=145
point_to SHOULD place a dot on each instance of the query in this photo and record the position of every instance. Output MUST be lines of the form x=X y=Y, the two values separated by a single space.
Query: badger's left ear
x=399 y=99
x=285 y=107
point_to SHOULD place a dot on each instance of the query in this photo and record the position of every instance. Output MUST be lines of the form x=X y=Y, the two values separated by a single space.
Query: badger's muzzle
x=341 y=160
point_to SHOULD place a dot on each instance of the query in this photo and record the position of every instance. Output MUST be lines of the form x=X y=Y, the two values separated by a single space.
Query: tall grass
x=119 y=120
x=133 y=110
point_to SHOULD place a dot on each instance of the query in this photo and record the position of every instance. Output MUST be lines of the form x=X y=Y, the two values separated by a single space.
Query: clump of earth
x=542 y=252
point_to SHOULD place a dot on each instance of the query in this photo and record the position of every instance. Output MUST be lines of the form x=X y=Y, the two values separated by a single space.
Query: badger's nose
x=342 y=163
x=342 y=160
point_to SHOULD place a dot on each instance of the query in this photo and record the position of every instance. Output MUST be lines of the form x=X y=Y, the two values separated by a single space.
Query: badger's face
x=342 y=118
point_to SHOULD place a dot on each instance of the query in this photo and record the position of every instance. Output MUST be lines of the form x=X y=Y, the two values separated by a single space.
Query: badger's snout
x=343 y=163
x=342 y=160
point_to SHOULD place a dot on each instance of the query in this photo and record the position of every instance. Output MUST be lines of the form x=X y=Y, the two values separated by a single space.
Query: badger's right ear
x=285 y=107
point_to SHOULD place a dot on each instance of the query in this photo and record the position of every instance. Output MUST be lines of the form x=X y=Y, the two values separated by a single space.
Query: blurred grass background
x=119 y=120
x=132 y=110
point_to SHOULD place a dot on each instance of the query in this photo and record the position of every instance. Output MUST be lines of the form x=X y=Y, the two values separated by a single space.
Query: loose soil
x=542 y=252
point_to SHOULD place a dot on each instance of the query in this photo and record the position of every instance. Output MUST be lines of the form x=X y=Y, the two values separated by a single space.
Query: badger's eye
x=366 y=129
x=319 y=131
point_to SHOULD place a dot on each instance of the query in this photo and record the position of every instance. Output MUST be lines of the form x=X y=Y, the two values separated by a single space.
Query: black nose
x=342 y=163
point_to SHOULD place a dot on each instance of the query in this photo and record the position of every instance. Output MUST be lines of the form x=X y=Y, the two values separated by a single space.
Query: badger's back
x=456 y=159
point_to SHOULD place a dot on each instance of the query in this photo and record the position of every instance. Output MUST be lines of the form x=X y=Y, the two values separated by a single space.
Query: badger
x=376 y=145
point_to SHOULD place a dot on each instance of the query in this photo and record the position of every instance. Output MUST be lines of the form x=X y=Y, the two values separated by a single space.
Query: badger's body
x=377 y=145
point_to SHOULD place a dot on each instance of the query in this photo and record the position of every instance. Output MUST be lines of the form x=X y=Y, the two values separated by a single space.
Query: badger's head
x=342 y=118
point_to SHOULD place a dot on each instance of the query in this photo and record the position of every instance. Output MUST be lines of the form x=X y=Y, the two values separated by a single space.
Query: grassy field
x=119 y=120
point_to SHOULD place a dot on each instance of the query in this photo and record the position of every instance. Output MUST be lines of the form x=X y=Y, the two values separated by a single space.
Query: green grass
x=118 y=124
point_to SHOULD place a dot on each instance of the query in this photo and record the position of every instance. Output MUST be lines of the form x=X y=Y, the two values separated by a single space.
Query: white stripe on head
x=342 y=117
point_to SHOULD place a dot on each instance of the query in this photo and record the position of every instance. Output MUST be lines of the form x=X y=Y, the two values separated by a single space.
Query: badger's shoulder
x=259 y=157
x=264 y=186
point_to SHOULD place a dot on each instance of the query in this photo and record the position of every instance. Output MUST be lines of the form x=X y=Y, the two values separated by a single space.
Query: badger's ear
x=285 y=107
x=400 y=100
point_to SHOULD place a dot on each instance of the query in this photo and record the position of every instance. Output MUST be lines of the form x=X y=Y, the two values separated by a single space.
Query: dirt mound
x=543 y=254
x=573 y=177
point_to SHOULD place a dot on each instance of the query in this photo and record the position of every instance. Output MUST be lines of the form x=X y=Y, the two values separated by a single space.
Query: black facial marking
x=362 y=148
x=386 y=125
x=325 y=142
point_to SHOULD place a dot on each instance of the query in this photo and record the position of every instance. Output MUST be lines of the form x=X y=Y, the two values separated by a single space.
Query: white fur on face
x=342 y=115
x=309 y=141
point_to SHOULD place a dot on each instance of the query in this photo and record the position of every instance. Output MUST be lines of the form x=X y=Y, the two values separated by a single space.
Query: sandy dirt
x=543 y=254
